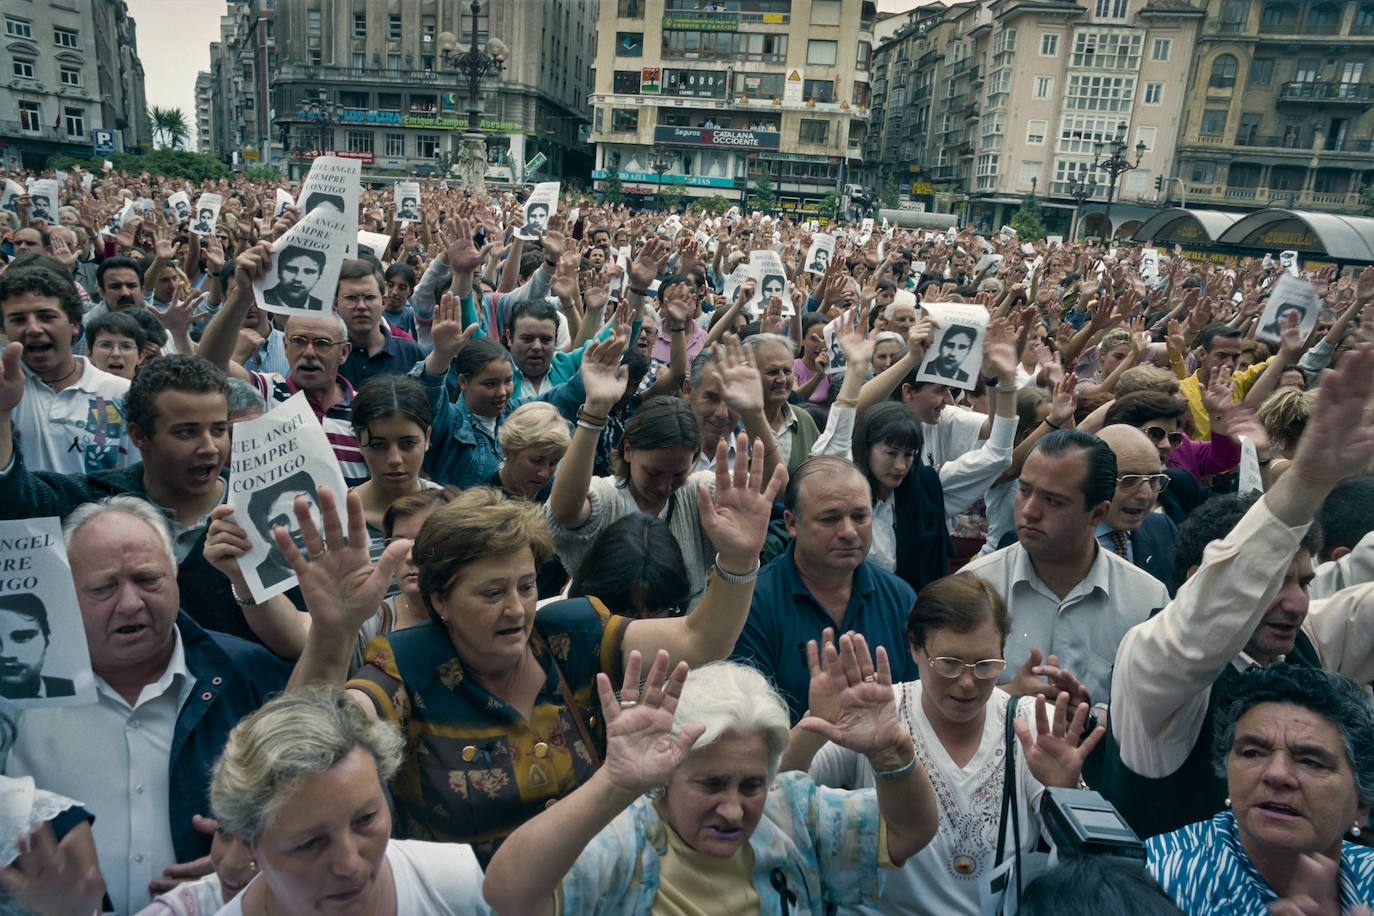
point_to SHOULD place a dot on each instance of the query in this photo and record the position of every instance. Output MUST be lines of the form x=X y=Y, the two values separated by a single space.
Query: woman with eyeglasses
x=957 y=717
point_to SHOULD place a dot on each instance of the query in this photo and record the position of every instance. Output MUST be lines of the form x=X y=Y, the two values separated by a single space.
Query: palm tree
x=169 y=124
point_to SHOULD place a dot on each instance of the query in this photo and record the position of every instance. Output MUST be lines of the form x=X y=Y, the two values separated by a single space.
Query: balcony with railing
x=306 y=72
x=1292 y=142
x=1326 y=92
x=1273 y=197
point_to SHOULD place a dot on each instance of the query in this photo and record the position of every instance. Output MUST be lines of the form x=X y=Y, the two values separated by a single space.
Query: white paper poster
x=13 y=189
x=333 y=183
x=1289 y=295
x=539 y=206
x=373 y=243
x=818 y=255
x=43 y=200
x=284 y=200
x=1288 y=260
x=305 y=266
x=276 y=456
x=957 y=354
x=1149 y=265
x=1251 y=481
x=207 y=214
x=766 y=268
x=44 y=660
x=180 y=204
x=407 y=199
x=733 y=282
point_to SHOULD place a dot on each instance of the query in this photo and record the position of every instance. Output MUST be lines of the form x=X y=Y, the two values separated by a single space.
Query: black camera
x=1082 y=822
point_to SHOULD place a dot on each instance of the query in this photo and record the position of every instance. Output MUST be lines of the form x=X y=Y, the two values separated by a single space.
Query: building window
x=313 y=57
x=1111 y=9
x=359 y=60
x=630 y=9
x=760 y=85
x=427 y=63
x=18 y=28
x=821 y=53
x=395 y=145
x=1234 y=13
x=1154 y=93
x=1107 y=50
x=75 y=121
x=624 y=120
x=1213 y=122
x=358 y=141
x=70 y=76
x=1035 y=130
x=1044 y=87
x=393 y=27
x=30 y=117
x=426 y=146
x=1100 y=93
x=64 y=38
x=819 y=90
x=360 y=25
x=1223 y=72
x=23 y=68
x=812 y=130
x=1364 y=20
x=1161 y=48
x=865 y=56
x=1049 y=44
x=312 y=23
x=825 y=12
x=1146 y=135
x=1261 y=71
x=1204 y=172
x=393 y=61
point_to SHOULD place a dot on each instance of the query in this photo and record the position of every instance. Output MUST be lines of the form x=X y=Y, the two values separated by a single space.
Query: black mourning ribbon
x=787 y=899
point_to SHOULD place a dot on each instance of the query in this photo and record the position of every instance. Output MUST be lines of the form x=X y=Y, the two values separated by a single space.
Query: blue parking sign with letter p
x=103 y=141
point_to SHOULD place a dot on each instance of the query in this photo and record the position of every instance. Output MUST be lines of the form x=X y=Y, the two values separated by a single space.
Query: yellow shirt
x=1192 y=390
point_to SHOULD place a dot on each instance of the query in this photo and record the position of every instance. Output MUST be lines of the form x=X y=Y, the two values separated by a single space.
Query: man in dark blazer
x=1132 y=529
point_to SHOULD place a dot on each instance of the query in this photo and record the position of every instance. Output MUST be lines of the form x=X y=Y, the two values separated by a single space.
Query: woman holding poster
x=495 y=701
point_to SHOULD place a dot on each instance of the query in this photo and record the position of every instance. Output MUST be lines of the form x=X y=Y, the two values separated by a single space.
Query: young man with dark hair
x=399 y=281
x=375 y=349
x=1347 y=522
x=120 y=285
x=71 y=416
x=1221 y=345
x=178 y=415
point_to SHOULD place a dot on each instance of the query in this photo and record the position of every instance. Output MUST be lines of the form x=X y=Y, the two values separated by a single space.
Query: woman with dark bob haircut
x=1296 y=747
x=636 y=568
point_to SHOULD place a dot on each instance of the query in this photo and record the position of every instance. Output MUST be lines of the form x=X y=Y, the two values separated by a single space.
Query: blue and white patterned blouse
x=825 y=842
x=1207 y=873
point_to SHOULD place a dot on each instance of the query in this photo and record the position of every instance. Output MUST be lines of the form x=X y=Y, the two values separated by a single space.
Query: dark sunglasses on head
x=1157 y=435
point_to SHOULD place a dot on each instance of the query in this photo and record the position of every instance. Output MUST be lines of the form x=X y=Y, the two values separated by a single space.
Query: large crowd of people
x=645 y=598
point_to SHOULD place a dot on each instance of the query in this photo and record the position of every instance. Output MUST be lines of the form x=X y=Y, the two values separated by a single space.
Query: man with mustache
x=120 y=284
x=1131 y=529
x=315 y=347
x=71 y=417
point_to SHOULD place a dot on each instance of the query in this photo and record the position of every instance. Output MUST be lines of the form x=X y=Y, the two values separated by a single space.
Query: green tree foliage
x=263 y=173
x=169 y=126
x=830 y=204
x=672 y=195
x=172 y=163
x=890 y=196
x=1029 y=220
x=610 y=185
x=765 y=197
x=715 y=205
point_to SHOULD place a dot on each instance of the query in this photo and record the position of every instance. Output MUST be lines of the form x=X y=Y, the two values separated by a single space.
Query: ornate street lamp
x=1080 y=191
x=1115 y=164
x=660 y=161
x=476 y=65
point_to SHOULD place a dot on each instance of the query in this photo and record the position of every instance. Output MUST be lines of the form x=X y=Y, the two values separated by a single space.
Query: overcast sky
x=174 y=44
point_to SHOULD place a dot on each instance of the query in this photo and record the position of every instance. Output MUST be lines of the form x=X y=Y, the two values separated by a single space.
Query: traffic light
x=1159 y=182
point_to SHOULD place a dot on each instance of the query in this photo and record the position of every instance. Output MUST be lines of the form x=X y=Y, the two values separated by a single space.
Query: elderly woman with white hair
x=300 y=780
x=690 y=814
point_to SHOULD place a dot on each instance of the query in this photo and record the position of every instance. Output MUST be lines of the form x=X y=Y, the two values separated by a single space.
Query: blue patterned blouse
x=823 y=841
x=1207 y=873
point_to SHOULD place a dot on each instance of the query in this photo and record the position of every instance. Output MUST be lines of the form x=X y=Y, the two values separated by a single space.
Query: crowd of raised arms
x=643 y=598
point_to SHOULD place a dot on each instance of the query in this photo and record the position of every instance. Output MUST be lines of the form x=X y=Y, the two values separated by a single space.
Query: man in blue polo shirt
x=823 y=579
x=375 y=350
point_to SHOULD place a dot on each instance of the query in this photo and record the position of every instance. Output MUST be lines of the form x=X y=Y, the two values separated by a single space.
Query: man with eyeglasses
x=374 y=349
x=1132 y=529
x=1070 y=601
x=315 y=349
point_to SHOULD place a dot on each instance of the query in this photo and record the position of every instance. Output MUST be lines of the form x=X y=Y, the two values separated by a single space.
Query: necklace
x=76 y=367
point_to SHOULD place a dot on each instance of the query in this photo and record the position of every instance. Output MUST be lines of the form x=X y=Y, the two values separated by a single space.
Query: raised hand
x=1048 y=679
x=1056 y=753
x=851 y=336
x=1065 y=401
x=62 y=251
x=447 y=332
x=678 y=305
x=180 y=313
x=603 y=377
x=641 y=752
x=51 y=877
x=11 y=378
x=462 y=255
x=1291 y=339
x=822 y=699
x=920 y=337
x=770 y=322
x=866 y=719
x=999 y=351
x=214 y=254
x=646 y=265
x=736 y=517
x=225 y=542
x=1337 y=438
x=341 y=587
x=740 y=377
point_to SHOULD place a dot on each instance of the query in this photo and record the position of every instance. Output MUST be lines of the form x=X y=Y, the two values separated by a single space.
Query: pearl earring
x=1355 y=829
x=1228 y=801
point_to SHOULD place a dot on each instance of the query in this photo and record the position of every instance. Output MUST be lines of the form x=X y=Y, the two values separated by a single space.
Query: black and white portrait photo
x=956 y=342
x=956 y=355
x=1287 y=297
x=274 y=506
x=298 y=273
x=541 y=204
x=407 y=201
x=180 y=205
x=205 y=222
x=25 y=636
x=318 y=199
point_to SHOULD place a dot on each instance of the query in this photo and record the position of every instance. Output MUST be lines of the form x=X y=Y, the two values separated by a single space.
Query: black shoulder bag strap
x=1009 y=798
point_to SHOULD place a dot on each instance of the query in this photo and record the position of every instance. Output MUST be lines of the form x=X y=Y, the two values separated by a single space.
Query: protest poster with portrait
x=1288 y=295
x=305 y=266
x=957 y=354
x=284 y=200
x=734 y=280
x=332 y=184
x=180 y=206
x=13 y=191
x=1288 y=260
x=375 y=244
x=1149 y=265
x=276 y=456
x=818 y=255
x=119 y=218
x=766 y=268
x=44 y=660
x=539 y=206
x=207 y=214
x=407 y=200
x=43 y=200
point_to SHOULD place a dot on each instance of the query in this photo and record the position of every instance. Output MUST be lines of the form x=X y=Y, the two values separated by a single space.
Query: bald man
x=1132 y=528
